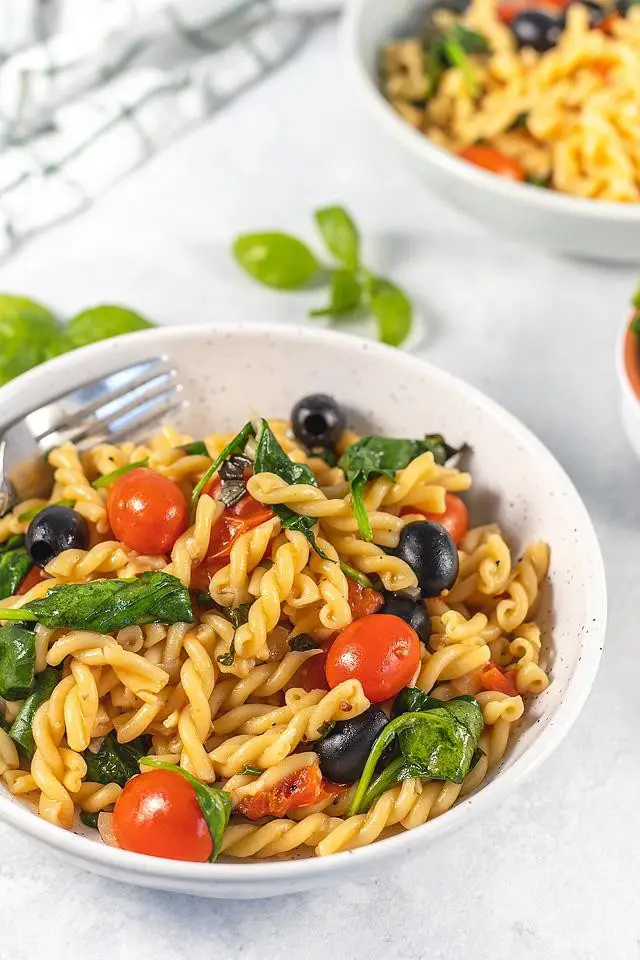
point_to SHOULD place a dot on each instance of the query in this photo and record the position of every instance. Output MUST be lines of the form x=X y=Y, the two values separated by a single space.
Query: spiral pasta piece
x=197 y=677
x=363 y=828
x=230 y=585
x=191 y=547
x=450 y=663
x=523 y=588
x=73 y=484
x=333 y=587
x=369 y=558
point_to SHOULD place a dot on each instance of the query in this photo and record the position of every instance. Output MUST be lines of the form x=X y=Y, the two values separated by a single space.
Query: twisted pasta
x=73 y=485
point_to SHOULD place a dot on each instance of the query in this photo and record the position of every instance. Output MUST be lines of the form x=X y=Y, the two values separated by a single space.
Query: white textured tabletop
x=554 y=872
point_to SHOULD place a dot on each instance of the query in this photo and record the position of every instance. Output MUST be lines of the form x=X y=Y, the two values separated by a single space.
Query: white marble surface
x=554 y=873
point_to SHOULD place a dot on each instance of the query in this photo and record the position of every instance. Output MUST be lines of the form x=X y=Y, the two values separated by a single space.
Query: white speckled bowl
x=517 y=483
x=558 y=222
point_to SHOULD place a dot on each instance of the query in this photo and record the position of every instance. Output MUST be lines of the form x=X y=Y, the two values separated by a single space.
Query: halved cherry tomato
x=299 y=789
x=381 y=651
x=311 y=675
x=147 y=511
x=455 y=518
x=493 y=678
x=35 y=576
x=363 y=600
x=491 y=159
x=158 y=814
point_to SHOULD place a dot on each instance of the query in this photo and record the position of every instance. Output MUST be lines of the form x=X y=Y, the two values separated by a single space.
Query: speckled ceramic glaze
x=227 y=372
x=555 y=221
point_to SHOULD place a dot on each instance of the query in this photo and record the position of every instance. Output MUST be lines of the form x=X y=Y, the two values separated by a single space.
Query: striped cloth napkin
x=91 y=89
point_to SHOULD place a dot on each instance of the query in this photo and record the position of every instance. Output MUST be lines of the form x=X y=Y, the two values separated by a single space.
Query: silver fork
x=106 y=410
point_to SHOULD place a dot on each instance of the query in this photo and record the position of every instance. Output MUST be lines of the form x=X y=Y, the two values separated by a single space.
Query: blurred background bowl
x=559 y=223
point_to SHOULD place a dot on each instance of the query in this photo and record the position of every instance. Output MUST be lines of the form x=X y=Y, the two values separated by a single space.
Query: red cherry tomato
x=363 y=600
x=299 y=789
x=311 y=675
x=147 y=511
x=455 y=518
x=491 y=159
x=35 y=576
x=492 y=678
x=381 y=651
x=158 y=814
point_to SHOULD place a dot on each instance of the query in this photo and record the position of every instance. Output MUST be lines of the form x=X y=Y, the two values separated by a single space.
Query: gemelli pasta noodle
x=280 y=649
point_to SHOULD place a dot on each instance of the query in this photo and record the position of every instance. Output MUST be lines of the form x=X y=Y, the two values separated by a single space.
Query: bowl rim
x=234 y=875
x=549 y=201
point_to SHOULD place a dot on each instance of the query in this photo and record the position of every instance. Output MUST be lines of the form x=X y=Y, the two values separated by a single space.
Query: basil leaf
x=115 y=762
x=30 y=515
x=275 y=259
x=197 y=448
x=17 y=662
x=345 y=295
x=340 y=234
x=109 y=605
x=101 y=323
x=215 y=804
x=15 y=564
x=29 y=334
x=20 y=730
x=376 y=457
x=271 y=458
x=393 y=311
x=108 y=478
x=303 y=641
x=236 y=445
x=356 y=576
x=436 y=744
x=89 y=819
x=237 y=616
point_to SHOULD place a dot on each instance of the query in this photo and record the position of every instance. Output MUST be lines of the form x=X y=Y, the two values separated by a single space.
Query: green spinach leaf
x=345 y=295
x=303 y=641
x=275 y=259
x=436 y=744
x=412 y=700
x=236 y=445
x=15 y=563
x=20 y=730
x=340 y=234
x=17 y=661
x=393 y=311
x=197 y=448
x=215 y=804
x=271 y=458
x=251 y=772
x=108 y=478
x=115 y=762
x=101 y=323
x=109 y=605
x=89 y=819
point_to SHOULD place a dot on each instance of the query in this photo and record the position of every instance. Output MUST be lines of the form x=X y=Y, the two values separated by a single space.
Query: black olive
x=532 y=28
x=432 y=555
x=413 y=612
x=53 y=530
x=317 y=421
x=233 y=468
x=343 y=752
x=596 y=12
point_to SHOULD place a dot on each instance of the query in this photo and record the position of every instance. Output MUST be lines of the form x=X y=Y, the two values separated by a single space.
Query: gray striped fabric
x=91 y=89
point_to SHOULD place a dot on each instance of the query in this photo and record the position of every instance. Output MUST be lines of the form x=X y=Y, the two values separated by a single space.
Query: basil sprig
x=215 y=804
x=15 y=563
x=115 y=762
x=109 y=605
x=438 y=743
x=382 y=457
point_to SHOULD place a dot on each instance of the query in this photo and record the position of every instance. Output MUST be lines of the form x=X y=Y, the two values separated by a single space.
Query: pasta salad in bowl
x=242 y=648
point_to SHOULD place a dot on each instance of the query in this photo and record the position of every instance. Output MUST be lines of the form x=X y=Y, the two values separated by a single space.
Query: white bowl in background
x=228 y=371
x=560 y=223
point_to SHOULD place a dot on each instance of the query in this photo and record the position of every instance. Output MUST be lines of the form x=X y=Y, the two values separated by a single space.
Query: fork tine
x=135 y=421
x=83 y=401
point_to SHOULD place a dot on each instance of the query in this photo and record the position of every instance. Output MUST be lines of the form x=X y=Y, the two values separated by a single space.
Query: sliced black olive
x=596 y=12
x=432 y=555
x=317 y=421
x=343 y=752
x=53 y=530
x=233 y=468
x=532 y=28
x=413 y=612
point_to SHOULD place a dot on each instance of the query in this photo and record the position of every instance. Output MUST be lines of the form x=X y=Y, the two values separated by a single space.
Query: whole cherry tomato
x=455 y=518
x=158 y=814
x=147 y=511
x=380 y=650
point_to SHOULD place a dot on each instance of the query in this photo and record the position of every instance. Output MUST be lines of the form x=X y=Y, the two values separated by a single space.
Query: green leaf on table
x=340 y=234
x=393 y=311
x=101 y=323
x=345 y=295
x=15 y=563
x=115 y=762
x=215 y=804
x=271 y=458
x=275 y=259
x=17 y=661
x=109 y=605
x=20 y=730
x=29 y=334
